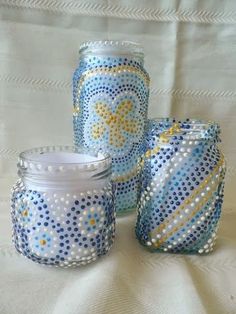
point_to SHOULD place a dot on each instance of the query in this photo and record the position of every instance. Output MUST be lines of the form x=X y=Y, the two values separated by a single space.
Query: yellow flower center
x=92 y=221
x=117 y=122
x=25 y=213
x=42 y=242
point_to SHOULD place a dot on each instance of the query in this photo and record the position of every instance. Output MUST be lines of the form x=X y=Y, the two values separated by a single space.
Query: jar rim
x=112 y=46
x=32 y=156
x=188 y=128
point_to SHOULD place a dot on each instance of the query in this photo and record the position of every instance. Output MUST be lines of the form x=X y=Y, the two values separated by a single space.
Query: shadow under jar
x=110 y=93
x=182 y=179
x=62 y=206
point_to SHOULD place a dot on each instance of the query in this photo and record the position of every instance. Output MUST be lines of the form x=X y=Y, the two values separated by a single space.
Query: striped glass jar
x=181 y=197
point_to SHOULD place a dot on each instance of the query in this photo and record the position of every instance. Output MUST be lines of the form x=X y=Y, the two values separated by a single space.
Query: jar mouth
x=63 y=156
x=186 y=129
x=115 y=47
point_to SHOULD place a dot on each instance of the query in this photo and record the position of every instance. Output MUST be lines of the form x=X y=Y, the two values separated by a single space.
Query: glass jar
x=62 y=206
x=110 y=92
x=181 y=197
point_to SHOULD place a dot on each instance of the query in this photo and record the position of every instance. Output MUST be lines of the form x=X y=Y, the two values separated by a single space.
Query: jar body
x=63 y=225
x=182 y=188
x=110 y=111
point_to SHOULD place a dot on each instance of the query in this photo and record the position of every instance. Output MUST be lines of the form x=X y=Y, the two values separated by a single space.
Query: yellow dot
x=42 y=242
x=25 y=213
x=76 y=110
x=92 y=221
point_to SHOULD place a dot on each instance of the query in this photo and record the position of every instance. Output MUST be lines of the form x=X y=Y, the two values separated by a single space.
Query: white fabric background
x=190 y=51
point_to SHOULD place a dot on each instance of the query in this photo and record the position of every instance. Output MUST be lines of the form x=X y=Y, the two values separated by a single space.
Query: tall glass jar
x=110 y=92
x=62 y=206
x=183 y=174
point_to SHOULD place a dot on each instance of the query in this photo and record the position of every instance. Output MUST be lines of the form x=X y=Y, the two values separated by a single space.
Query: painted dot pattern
x=182 y=187
x=110 y=109
x=60 y=228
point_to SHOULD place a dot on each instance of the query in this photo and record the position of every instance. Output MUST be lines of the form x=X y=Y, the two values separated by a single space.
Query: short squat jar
x=110 y=92
x=183 y=172
x=62 y=206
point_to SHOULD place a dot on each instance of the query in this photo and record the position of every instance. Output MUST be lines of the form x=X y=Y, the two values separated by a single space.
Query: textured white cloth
x=190 y=51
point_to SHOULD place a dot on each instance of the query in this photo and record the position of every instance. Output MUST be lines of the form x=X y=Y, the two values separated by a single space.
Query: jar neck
x=185 y=133
x=126 y=52
x=58 y=170
x=66 y=181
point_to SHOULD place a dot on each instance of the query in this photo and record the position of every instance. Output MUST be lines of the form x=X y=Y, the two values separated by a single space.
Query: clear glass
x=110 y=92
x=112 y=47
x=182 y=179
x=62 y=206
